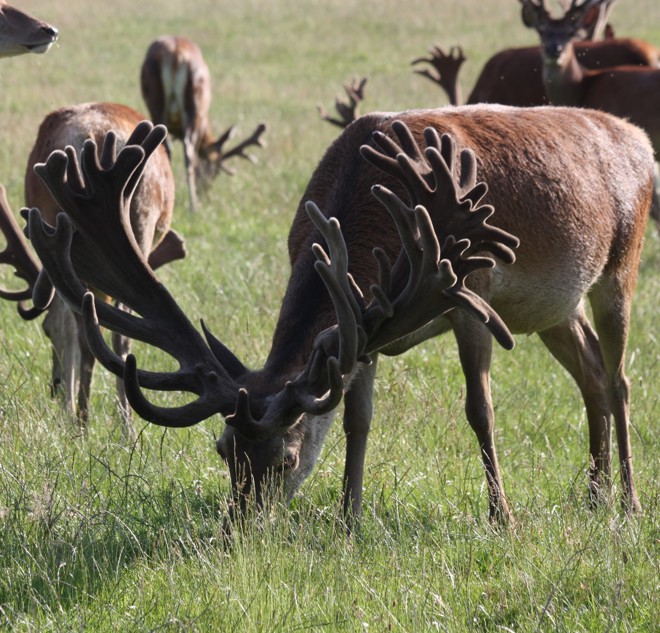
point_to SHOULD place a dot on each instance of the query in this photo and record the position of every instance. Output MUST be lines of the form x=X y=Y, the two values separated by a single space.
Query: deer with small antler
x=176 y=86
x=150 y=216
x=391 y=245
x=513 y=76
x=21 y=33
x=631 y=92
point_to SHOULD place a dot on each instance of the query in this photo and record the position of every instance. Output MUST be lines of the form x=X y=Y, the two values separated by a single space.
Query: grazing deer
x=150 y=216
x=347 y=111
x=176 y=86
x=20 y=33
x=630 y=92
x=514 y=76
x=581 y=232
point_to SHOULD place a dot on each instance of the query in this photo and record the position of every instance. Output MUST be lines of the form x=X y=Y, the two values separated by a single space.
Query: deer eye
x=290 y=461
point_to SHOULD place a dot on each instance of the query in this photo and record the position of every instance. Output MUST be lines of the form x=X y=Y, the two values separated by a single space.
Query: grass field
x=100 y=536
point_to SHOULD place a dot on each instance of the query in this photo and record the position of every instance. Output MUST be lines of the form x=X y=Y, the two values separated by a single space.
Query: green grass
x=101 y=536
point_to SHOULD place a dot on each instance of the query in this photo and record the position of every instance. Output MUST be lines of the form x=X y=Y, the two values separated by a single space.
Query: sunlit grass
x=99 y=535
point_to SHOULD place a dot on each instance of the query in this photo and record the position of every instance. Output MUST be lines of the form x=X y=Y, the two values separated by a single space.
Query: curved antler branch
x=18 y=255
x=92 y=243
x=445 y=68
x=447 y=213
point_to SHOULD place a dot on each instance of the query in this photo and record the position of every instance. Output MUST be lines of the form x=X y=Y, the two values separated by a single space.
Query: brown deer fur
x=151 y=215
x=573 y=185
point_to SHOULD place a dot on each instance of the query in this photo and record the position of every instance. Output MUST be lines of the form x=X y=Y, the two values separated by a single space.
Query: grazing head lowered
x=391 y=188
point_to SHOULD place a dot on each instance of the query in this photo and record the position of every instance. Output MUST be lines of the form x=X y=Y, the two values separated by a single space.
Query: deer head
x=20 y=33
x=579 y=19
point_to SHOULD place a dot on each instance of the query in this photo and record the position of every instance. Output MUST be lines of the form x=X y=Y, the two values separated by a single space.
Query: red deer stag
x=630 y=92
x=150 y=215
x=514 y=76
x=20 y=33
x=176 y=86
x=581 y=235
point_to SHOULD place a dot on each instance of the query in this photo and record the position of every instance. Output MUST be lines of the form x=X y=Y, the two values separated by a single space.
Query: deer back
x=515 y=76
x=614 y=91
x=153 y=202
x=574 y=186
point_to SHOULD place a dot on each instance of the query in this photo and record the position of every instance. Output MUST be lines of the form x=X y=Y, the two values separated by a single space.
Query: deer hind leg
x=475 y=351
x=575 y=345
x=190 y=161
x=61 y=327
x=610 y=302
x=122 y=346
x=358 y=412
x=655 y=201
x=87 y=361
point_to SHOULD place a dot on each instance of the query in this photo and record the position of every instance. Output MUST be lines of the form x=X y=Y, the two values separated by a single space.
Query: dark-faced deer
x=20 y=33
x=150 y=216
x=514 y=76
x=630 y=92
x=176 y=86
x=390 y=179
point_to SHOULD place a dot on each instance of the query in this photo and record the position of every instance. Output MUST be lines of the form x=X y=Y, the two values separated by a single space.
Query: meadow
x=100 y=535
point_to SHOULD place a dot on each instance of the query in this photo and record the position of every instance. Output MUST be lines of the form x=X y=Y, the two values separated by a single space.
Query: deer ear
x=529 y=14
x=528 y=17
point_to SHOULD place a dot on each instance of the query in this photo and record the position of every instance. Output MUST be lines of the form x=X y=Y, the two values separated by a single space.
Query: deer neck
x=563 y=78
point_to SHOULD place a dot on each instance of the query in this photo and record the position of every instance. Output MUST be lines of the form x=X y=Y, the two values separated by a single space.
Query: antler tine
x=17 y=254
x=446 y=67
x=256 y=138
x=347 y=110
x=93 y=241
x=445 y=195
x=444 y=185
x=336 y=351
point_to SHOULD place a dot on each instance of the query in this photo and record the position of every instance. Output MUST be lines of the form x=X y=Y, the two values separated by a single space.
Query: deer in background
x=176 y=86
x=150 y=216
x=514 y=76
x=630 y=92
x=577 y=198
x=20 y=33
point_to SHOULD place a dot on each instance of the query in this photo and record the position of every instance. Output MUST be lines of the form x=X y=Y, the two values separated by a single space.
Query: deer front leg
x=475 y=350
x=86 y=369
x=61 y=327
x=358 y=412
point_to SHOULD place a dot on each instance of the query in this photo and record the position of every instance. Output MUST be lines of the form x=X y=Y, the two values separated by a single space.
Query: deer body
x=581 y=232
x=515 y=76
x=21 y=33
x=630 y=92
x=151 y=215
x=574 y=244
x=176 y=86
